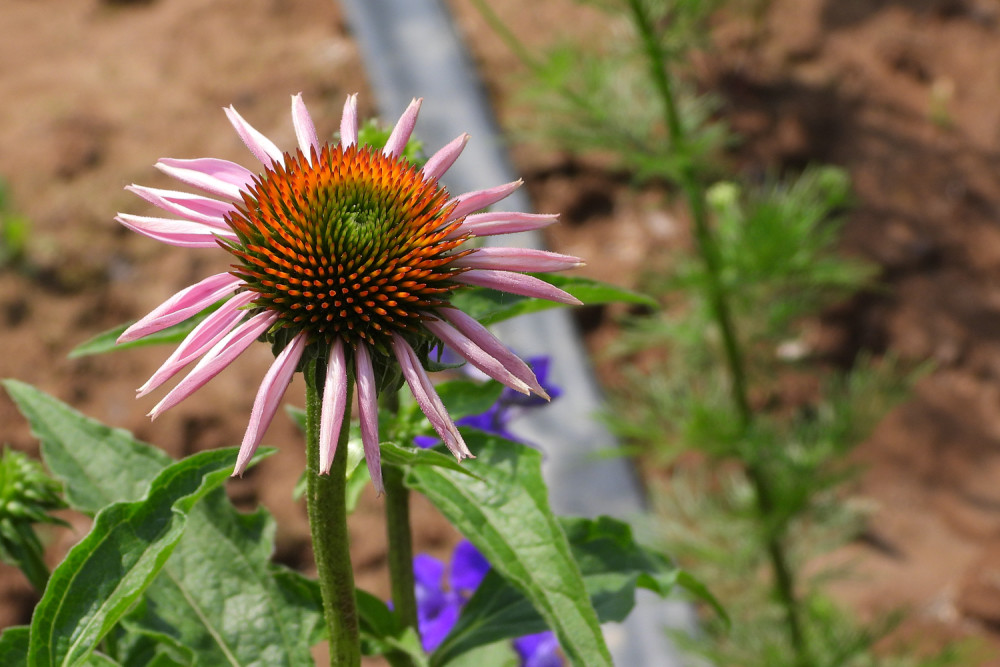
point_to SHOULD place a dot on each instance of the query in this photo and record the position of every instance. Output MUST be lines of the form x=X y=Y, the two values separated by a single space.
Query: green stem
x=397 y=525
x=784 y=583
x=397 y=517
x=327 y=504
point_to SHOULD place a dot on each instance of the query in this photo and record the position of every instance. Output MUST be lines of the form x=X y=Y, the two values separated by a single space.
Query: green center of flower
x=352 y=244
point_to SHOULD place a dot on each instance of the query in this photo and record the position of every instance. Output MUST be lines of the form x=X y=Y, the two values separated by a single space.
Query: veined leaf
x=505 y=513
x=111 y=567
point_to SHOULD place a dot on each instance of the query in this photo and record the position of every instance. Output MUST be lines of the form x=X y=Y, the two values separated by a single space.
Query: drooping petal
x=182 y=305
x=272 y=388
x=475 y=355
x=473 y=201
x=491 y=345
x=428 y=400
x=349 y=122
x=517 y=259
x=195 y=208
x=262 y=147
x=209 y=332
x=517 y=283
x=305 y=129
x=181 y=233
x=401 y=132
x=220 y=356
x=441 y=161
x=498 y=222
x=368 y=413
x=219 y=177
x=334 y=404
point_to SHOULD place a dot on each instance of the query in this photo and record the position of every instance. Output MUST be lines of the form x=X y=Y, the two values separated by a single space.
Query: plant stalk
x=327 y=504
x=397 y=517
x=784 y=584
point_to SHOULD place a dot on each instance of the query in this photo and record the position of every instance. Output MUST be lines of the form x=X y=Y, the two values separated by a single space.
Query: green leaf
x=396 y=455
x=97 y=464
x=381 y=634
x=14 y=645
x=613 y=567
x=106 y=340
x=505 y=513
x=220 y=596
x=490 y=306
x=465 y=397
x=109 y=569
x=499 y=654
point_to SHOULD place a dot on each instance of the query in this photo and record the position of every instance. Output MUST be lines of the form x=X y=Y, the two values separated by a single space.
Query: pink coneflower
x=343 y=253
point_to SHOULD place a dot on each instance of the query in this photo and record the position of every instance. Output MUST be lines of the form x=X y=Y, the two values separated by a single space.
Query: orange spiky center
x=350 y=244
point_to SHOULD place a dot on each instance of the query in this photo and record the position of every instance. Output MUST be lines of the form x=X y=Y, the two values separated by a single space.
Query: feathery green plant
x=764 y=483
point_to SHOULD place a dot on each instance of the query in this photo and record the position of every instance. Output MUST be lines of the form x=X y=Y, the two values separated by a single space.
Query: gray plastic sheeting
x=410 y=49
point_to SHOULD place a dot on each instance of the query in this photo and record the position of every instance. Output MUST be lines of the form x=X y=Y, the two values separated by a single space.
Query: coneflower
x=343 y=253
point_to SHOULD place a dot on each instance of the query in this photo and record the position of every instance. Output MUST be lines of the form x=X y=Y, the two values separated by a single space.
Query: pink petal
x=368 y=412
x=334 y=404
x=490 y=344
x=305 y=129
x=192 y=207
x=441 y=161
x=182 y=305
x=404 y=128
x=473 y=201
x=498 y=222
x=517 y=259
x=262 y=147
x=273 y=387
x=220 y=356
x=209 y=332
x=219 y=177
x=475 y=355
x=181 y=233
x=349 y=122
x=428 y=400
x=517 y=283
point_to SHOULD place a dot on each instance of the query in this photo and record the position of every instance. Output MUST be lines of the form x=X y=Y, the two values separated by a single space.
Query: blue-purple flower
x=440 y=600
x=507 y=408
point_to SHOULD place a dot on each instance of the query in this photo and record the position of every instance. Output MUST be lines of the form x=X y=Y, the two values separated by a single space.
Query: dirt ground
x=903 y=94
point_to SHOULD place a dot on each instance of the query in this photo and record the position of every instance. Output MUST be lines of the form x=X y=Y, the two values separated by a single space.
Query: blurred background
x=895 y=101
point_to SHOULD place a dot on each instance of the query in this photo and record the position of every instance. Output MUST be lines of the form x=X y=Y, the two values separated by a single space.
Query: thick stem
x=784 y=582
x=327 y=504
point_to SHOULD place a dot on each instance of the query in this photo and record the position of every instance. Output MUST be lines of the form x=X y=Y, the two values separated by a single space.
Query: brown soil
x=901 y=94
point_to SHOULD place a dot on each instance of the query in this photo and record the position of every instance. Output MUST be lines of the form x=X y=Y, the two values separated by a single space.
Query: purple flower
x=340 y=252
x=437 y=608
x=439 y=603
x=538 y=650
x=507 y=408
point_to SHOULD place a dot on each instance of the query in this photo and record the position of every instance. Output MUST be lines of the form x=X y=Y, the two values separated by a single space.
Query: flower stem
x=397 y=518
x=397 y=524
x=327 y=504
x=784 y=581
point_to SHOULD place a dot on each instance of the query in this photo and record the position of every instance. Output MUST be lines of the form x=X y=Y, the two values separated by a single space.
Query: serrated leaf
x=490 y=306
x=106 y=341
x=97 y=464
x=505 y=513
x=613 y=567
x=103 y=575
x=220 y=596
